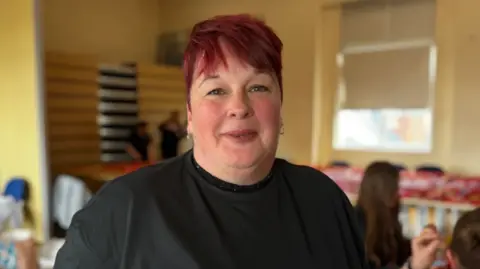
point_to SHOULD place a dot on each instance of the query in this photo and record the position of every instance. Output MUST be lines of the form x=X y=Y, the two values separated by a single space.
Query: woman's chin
x=242 y=159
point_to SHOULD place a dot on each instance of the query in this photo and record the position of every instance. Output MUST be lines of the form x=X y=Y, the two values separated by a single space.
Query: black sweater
x=169 y=216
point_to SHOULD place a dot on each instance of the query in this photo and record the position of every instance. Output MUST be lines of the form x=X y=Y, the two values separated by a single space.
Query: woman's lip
x=240 y=132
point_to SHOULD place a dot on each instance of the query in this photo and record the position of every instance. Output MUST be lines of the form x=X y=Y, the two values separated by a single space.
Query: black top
x=140 y=144
x=227 y=186
x=170 y=216
x=169 y=143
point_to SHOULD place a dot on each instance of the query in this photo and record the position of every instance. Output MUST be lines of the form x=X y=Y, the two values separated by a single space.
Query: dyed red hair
x=247 y=37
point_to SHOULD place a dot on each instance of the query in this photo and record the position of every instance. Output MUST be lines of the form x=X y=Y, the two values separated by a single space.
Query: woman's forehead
x=230 y=70
x=226 y=64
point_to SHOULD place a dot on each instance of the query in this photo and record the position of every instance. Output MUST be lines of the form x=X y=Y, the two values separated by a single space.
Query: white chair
x=69 y=196
x=6 y=210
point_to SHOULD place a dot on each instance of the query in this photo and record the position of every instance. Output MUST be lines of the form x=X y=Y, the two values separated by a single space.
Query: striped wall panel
x=117 y=110
x=71 y=110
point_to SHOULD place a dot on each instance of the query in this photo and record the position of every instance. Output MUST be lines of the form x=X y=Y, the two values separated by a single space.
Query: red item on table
x=124 y=167
x=473 y=195
x=464 y=190
x=412 y=186
x=133 y=167
x=421 y=185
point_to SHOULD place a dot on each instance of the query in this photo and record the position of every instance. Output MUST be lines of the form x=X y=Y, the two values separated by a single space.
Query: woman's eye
x=216 y=92
x=259 y=88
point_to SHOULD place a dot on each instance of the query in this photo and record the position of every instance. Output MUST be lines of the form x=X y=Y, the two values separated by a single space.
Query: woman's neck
x=237 y=176
x=227 y=186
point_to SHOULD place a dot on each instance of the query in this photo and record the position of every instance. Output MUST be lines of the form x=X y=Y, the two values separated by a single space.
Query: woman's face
x=234 y=115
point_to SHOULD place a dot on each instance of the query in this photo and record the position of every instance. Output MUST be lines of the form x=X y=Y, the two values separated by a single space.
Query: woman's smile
x=241 y=136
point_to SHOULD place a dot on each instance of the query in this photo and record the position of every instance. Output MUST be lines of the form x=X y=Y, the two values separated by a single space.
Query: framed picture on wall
x=170 y=47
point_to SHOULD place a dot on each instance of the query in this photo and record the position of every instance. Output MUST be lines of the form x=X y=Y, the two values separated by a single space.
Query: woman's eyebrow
x=207 y=78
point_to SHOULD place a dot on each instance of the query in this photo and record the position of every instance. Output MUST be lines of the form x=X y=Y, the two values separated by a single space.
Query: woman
x=378 y=210
x=138 y=143
x=228 y=203
x=171 y=132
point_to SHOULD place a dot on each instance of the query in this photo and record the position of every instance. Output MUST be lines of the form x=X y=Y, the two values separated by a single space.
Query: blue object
x=16 y=189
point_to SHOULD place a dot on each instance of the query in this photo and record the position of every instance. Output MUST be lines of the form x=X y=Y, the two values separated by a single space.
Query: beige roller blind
x=387 y=79
x=385 y=21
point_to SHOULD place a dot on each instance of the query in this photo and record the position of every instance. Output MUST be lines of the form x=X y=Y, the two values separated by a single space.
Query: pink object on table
x=422 y=185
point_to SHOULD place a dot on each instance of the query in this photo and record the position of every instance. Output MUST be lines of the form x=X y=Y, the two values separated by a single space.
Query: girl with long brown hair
x=377 y=210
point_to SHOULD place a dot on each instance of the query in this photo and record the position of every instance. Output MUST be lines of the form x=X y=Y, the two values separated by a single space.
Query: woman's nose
x=239 y=106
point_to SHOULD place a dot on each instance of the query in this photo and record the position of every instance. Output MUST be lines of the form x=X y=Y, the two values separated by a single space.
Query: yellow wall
x=116 y=30
x=20 y=132
x=464 y=89
x=310 y=35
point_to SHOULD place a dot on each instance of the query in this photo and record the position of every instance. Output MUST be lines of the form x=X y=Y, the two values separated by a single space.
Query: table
x=96 y=175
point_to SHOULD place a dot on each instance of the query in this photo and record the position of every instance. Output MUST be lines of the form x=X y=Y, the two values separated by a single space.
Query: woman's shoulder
x=309 y=179
x=133 y=192
x=144 y=182
x=99 y=231
x=306 y=174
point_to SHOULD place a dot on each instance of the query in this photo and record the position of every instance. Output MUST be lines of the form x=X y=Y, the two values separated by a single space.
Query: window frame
x=341 y=92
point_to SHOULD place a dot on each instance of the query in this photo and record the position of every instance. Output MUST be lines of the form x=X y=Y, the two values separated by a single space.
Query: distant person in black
x=138 y=143
x=228 y=203
x=171 y=132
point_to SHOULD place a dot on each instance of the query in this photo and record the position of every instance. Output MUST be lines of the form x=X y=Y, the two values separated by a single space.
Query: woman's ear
x=189 y=119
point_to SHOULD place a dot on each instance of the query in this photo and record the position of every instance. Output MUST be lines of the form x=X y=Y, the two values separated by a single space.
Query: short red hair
x=249 y=38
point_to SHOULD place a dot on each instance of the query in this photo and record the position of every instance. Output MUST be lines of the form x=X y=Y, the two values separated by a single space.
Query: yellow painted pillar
x=22 y=136
x=325 y=83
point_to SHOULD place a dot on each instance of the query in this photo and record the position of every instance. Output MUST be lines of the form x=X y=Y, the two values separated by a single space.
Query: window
x=395 y=130
x=389 y=106
x=387 y=78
